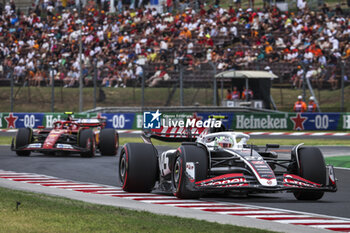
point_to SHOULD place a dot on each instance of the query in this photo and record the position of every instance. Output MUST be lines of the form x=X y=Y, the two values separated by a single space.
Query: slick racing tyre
x=138 y=167
x=23 y=138
x=191 y=165
x=313 y=168
x=109 y=142
x=86 y=140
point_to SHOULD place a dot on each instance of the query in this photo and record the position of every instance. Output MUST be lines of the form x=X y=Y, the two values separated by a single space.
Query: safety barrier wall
x=236 y=120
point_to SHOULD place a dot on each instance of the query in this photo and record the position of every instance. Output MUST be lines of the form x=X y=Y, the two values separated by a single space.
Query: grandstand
x=195 y=43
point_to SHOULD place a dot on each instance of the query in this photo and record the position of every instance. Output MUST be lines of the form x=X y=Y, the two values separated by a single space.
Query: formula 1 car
x=221 y=161
x=82 y=136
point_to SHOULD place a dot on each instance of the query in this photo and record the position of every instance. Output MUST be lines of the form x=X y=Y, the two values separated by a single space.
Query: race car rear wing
x=172 y=134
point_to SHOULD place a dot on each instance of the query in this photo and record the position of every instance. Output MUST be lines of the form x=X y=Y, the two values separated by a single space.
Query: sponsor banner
x=20 y=120
x=119 y=120
x=344 y=121
x=235 y=121
x=317 y=121
x=290 y=121
x=226 y=122
x=170 y=118
x=165 y=116
x=243 y=121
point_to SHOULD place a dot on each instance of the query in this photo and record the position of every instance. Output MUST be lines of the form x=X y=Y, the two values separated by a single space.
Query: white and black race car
x=220 y=162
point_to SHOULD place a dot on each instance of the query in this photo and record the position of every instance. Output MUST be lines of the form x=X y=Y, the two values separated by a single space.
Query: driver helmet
x=224 y=142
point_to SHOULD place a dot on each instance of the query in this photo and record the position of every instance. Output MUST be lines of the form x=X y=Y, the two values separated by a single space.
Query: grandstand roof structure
x=250 y=74
x=257 y=80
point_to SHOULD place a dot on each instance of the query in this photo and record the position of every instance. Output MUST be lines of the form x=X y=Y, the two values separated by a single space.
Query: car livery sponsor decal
x=190 y=171
x=295 y=181
x=224 y=181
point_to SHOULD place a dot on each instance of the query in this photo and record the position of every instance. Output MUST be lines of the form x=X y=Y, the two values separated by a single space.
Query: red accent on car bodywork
x=52 y=138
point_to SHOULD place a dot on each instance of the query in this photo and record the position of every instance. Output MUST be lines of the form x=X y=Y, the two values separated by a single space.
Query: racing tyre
x=109 y=142
x=23 y=137
x=138 y=167
x=191 y=165
x=87 y=140
x=313 y=168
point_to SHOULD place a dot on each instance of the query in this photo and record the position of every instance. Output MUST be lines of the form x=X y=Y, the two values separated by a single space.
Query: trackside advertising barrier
x=235 y=121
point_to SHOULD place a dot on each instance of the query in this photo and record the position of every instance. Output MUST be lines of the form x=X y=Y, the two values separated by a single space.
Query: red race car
x=80 y=136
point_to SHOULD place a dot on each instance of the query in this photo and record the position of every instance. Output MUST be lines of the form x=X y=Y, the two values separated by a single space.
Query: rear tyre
x=23 y=138
x=182 y=183
x=313 y=168
x=87 y=140
x=109 y=142
x=138 y=167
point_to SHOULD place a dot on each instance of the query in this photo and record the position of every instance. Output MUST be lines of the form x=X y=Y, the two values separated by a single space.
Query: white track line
x=297 y=134
x=161 y=201
x=277 y=133
x=318 y=134
x=109 y=192
x=220 y=207
x=340 y=134
x=281 y=216
x=247 y=212
x=330 y=226
x=256 y=133
x=311 y=221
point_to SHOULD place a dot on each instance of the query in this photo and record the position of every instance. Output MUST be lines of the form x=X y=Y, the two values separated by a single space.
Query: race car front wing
x=37 y=147
x=285 y=182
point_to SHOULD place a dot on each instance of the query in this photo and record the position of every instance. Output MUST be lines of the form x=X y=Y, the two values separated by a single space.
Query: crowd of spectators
x=117 y=47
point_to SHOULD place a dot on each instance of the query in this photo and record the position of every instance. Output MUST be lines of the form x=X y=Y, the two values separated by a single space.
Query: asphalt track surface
x=103 y=170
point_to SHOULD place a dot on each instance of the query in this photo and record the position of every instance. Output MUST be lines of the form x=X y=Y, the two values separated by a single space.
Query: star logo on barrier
x=298 y=122
x=11 y=120
x=156 y=115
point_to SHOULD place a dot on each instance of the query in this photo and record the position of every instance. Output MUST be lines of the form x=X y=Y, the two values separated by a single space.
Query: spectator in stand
x=161 y=74
x=300 y=105
x=311 y=107
x=247 y=94
x=125 y=75
x=235 y=94
x=228 y=94
x=333 y=79
x=311 y=75
x=298 y=78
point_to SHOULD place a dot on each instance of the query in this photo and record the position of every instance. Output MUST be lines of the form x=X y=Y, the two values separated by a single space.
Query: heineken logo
x=265 y=122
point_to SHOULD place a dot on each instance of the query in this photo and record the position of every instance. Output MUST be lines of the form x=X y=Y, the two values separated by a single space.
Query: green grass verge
x=34 y=99
x=339 y=161
x=6 y=140
x=41 y=213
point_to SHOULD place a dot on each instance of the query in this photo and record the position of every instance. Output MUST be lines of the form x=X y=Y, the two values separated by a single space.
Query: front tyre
x=87 y=140
x=138 y=167
x=312 y=167
x=191 y=165
x=23 y=138
x=109 y=142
